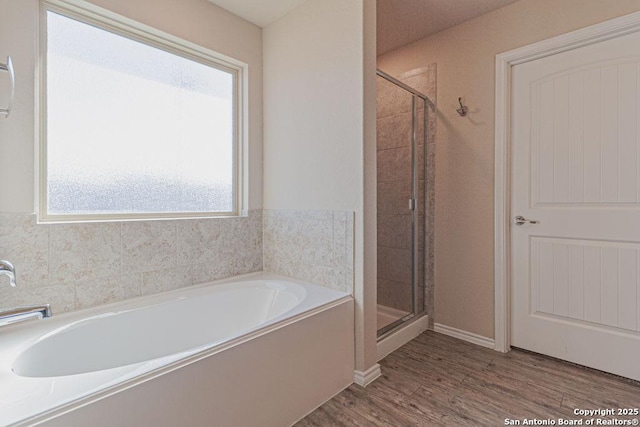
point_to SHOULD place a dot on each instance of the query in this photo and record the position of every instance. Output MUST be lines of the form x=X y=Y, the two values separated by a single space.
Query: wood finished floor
x=436 y=380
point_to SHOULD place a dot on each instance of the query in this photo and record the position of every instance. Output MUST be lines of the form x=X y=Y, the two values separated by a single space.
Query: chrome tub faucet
x=8 y=269
x=15 y=315
x=24 y=313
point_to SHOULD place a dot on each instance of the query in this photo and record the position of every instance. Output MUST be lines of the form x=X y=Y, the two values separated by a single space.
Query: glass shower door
x=400 y=184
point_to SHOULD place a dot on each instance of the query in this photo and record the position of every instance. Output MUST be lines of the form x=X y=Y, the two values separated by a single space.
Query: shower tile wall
x=394 y=190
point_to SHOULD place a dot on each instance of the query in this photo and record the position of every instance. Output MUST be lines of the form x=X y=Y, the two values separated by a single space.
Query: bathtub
x=258 y=349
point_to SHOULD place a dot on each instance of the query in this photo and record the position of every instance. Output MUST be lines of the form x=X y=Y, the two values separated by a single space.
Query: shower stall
x=402 y=202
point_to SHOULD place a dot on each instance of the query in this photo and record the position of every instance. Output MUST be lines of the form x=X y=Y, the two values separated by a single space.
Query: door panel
x=575 y=169
x=586 y=280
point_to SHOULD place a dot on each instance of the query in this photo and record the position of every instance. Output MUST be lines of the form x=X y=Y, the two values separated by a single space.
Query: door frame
x=502 y=187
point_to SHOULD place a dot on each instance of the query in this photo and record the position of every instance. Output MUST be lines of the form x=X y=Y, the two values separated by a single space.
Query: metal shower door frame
x=413 y=203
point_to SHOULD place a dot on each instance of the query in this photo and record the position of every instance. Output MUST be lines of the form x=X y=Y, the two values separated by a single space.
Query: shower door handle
x=8 y=67
x=520 y=220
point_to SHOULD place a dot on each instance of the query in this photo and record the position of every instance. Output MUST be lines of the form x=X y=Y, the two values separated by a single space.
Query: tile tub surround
x=315 y=246
x=76 y=266
x=394 y=189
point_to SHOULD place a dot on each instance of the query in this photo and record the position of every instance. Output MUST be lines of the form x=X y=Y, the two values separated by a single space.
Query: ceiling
x=400 y=22
x=260 y=12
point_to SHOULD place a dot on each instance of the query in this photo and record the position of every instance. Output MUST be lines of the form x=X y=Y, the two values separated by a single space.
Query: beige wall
x=465 y=55
x=197 y=21
x=313 y=108
x=366 y=311
x=17 y=146
x=314 y=124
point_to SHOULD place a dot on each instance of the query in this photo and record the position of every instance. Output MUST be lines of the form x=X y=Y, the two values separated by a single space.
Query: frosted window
x=134 y=129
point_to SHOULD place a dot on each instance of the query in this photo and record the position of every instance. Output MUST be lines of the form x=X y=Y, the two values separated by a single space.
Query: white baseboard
x=367 y=377
x=402 y=336
x=464 y=335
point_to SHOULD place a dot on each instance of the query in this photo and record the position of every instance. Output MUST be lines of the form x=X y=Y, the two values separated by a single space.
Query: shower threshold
x=389 y=315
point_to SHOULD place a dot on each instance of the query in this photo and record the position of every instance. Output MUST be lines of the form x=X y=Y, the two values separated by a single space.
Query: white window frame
x=93 y=15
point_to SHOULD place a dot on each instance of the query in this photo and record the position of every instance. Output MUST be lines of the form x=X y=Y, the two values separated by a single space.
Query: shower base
x=388 y=315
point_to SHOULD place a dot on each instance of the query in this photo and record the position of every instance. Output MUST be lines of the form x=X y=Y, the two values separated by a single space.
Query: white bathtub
x=258 y=349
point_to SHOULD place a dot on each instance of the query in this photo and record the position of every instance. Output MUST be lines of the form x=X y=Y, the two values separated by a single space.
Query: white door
x=576 y=170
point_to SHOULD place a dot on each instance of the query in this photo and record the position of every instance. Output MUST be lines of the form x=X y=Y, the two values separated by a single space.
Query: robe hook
x=463 y=108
